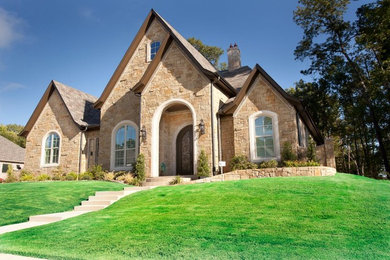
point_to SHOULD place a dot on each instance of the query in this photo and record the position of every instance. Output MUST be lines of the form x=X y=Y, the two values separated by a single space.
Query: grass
x=20 y=200
x=342 y=217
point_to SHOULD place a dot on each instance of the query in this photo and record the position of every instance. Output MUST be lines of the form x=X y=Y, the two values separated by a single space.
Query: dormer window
x=152 y=50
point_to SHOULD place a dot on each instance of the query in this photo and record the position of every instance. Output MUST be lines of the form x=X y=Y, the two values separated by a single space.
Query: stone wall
x=325 y=153
x=227 y=140
x=122 y=104
x=54 y=117
x=271 y=172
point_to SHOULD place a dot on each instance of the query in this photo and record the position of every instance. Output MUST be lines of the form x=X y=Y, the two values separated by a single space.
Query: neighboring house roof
x=230 y=107
x=79 y=105
x=193 y=54
x=11 y=152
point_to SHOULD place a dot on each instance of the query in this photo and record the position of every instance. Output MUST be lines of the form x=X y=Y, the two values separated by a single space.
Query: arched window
x=124 y=146
x=52 y=149
x=264 y=136
x=154 y=46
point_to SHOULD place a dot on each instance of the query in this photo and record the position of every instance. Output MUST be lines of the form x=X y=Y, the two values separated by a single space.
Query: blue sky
x=80 y=43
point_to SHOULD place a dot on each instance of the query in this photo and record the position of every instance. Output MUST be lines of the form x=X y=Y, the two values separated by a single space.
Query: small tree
x=11 y=177
x=287 y=152
x=140 y=168
x=203 y=165
x=311 y=151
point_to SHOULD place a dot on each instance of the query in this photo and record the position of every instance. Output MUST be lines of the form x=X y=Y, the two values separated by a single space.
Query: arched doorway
x=185 y=151
x=169 y=119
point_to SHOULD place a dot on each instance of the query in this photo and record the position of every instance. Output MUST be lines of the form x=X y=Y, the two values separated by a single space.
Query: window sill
x=50 y=165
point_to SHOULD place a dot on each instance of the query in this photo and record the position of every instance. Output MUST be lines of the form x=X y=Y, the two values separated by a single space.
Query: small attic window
x=153 y=49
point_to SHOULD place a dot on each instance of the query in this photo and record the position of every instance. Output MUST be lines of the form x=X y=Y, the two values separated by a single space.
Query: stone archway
x=168 y=120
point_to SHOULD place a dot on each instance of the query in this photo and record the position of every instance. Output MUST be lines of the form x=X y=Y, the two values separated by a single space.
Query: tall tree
x=211 y=53
x=334 y=44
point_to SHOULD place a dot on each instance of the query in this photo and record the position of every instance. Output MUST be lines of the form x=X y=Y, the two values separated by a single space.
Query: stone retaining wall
x=271 y=172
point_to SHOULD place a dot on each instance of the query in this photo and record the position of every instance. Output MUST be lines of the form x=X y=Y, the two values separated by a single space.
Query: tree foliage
x=350 y=63
x=11 y=132
x=211 y=53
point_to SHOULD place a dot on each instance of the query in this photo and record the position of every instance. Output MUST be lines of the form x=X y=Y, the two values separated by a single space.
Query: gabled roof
x=78 y=103
x=11 y=152
x=236 y=77
x=194 y=55
x=232 y=105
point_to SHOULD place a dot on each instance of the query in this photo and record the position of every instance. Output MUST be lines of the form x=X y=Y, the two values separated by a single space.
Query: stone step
x=152 y=184
x=109 y=193
x=103 y=197
x=89 y=208
x=55 y=216
x=96 y=202
x=135 y=188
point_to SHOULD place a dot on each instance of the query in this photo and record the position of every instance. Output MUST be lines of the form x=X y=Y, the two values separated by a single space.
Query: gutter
x=81 y=147
x=212 y=127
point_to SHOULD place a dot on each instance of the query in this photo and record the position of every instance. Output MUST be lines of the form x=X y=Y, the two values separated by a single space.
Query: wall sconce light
x=143 y=133
x=202 y=129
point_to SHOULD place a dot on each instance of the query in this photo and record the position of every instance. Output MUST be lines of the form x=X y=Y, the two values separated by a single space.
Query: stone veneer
x=271 y=172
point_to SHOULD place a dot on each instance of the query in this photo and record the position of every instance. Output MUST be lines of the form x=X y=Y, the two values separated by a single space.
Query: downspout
x=219 y=137
x=212 y=127
x=81 y=148
x=140 y=116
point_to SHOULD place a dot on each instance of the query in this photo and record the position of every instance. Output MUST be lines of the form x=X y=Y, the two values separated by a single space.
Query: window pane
x=120 y=138
x=130 y=137
x=130 y=157
x=47 y=155
x=56 y=141
x=119 y=158
x=269 y=147
x=259 y=131
x=259 y=121
x=268 y=130
x=260 y=147
x=154 y=46
x=55 y=155
x=48 y=142
x=267 y=121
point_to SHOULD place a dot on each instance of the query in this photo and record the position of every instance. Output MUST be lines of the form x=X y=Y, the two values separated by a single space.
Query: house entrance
x=185 y=151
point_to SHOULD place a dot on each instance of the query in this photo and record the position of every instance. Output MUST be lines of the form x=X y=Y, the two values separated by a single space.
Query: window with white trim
x=52 y=149
x=154 y=46
x=125 y=146
x=264 y=137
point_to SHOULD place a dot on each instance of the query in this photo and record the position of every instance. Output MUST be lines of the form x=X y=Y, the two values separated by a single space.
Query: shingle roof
x=79 y=104
x=10 y=152
x=236 y=77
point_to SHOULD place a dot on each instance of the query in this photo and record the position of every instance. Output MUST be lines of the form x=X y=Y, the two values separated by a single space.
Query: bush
x=11 y=176
x=268 y=164
x=2 y=180
x=300 y=163
x=43 y=177
x=57 y=177
x=136 y=182
x=26 y=176
x=86 y=176
x=97 y=172
x=119 y=174
x=240 y=162
x=140 y=168
x=176 y=180
x=203 y=169
x=71 y=176
x=127 y=178
x=109 y=176
x=311 y=151
x=287 y=152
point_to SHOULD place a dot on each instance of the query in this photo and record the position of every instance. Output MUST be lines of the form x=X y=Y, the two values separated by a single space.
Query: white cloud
x=11 y=86
x=9 y=28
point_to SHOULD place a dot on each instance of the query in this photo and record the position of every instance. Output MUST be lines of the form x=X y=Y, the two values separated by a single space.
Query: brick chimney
x=234 y=57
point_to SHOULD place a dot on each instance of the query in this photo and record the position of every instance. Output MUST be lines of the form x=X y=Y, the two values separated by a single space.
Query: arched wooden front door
x=185 y=151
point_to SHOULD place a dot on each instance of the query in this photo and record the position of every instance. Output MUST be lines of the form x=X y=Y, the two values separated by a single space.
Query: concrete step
x=103 y=197
x=152 y=184
x=89 y=208
x=55 y=216
x=135 y=188
x=96 y=202
x=109 y=193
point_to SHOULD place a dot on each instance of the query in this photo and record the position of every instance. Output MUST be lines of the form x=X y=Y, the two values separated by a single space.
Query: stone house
x=166 y=101
x=10 y=154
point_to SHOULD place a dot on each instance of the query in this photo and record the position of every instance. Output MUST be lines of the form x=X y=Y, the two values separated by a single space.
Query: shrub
x=300 y=163
x=140 y=168
x=1 y=180
x=176 y=180
x=240 y=162
x=11 y=176
x=86 y=176
x=268 y=164
x=71 y=176
x=311 y=151
x=109 y=176
x=43 y=177
x=203 y=169
x=127 y=178
x=97 y=172
x=57 y=177
x=287 y=152
x=136 y=182
x=26 y=176
x=119 y=174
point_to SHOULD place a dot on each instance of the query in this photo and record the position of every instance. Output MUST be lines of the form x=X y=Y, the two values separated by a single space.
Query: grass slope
x=343 y=216
x=18 y=201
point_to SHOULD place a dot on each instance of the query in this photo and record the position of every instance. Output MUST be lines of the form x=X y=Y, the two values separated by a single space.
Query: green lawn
x=340 y=217
x=18 y=201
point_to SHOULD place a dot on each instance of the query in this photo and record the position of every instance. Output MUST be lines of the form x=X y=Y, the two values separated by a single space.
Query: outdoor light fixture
x=202 y=129
x=143 y=133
